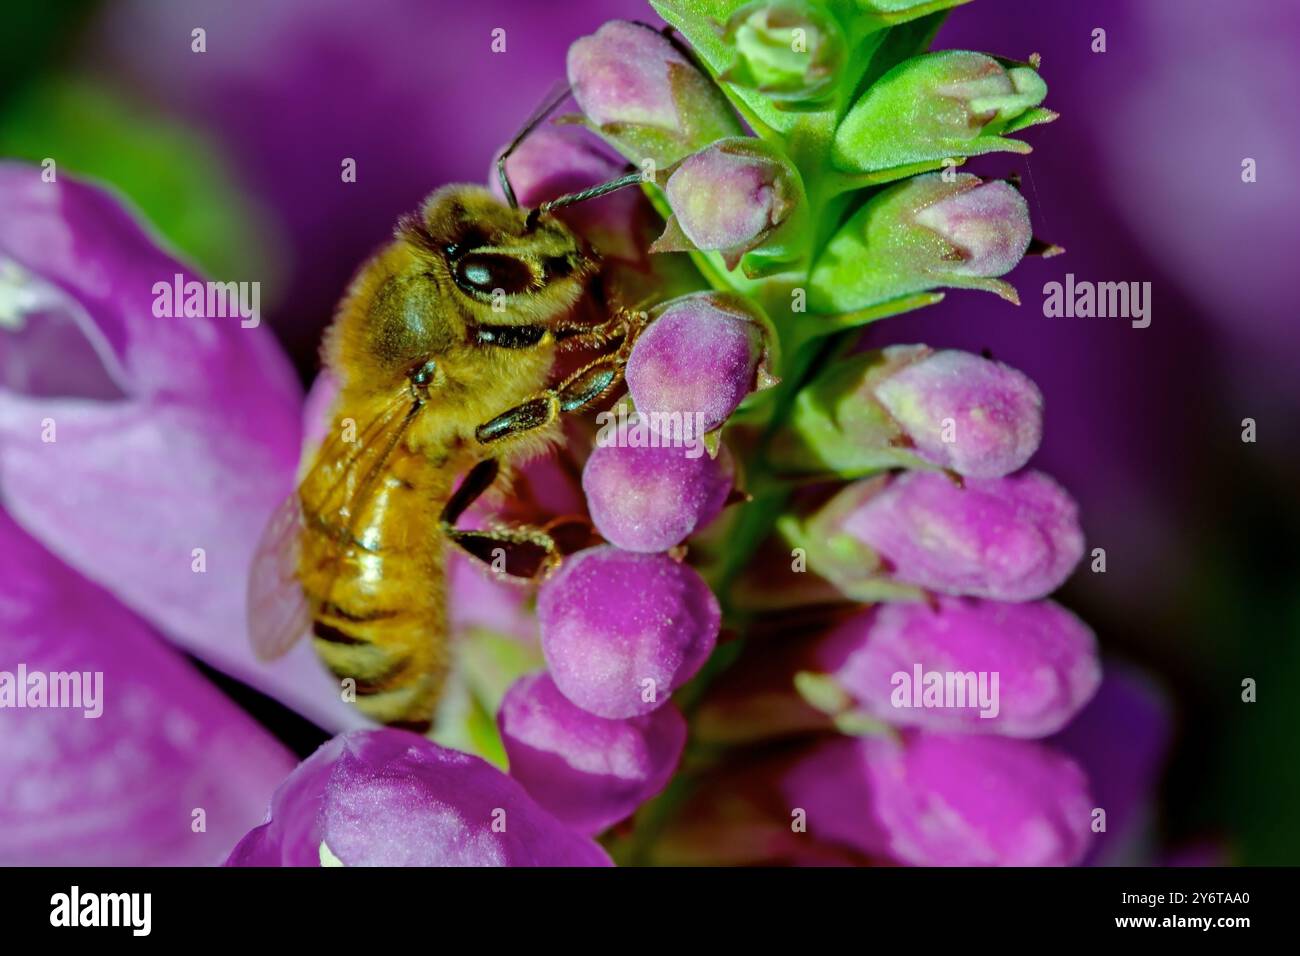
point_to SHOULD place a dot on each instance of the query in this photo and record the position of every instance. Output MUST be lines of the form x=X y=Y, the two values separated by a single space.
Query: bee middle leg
x=524 y=551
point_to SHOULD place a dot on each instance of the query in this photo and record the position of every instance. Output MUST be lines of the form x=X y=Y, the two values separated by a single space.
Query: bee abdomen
x=392 y=659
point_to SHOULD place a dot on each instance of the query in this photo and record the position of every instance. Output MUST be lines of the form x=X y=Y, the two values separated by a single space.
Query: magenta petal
x=589 y=771
x=121 y=789
x=391 y=798
x=193 y=449
x=1122 y=739
x=551 y=162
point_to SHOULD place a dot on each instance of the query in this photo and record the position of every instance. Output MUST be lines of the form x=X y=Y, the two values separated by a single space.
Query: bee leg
x=583 y=388
x=521 y=552
x=623 y=325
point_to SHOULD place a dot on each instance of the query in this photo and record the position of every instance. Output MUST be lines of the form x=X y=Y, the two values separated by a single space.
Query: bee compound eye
x=484 y=272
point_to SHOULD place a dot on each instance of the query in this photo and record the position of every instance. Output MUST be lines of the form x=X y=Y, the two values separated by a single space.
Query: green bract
x=925 y=232
x=788 y=50
x=837 y=426
x=936 y=106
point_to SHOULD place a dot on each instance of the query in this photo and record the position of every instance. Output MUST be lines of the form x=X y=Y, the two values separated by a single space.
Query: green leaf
x=837 y=428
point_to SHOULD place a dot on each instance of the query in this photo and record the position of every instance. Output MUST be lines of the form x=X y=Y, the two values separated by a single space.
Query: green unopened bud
x=938 y=106
x=920 y=234
x=789 y=50
x=837 y=425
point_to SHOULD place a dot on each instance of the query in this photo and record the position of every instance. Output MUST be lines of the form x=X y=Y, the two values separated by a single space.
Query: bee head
x=500 y=264
x=463 y=305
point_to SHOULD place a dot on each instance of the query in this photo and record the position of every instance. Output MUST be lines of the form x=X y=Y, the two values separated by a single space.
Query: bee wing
x=278 y=614
x=348 y=470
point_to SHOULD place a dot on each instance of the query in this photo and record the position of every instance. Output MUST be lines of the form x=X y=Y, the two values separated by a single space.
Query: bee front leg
x=623 y=326
x=522 y=552
x=583 y=388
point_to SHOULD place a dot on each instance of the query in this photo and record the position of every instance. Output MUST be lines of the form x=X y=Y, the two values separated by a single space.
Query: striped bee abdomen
x=376 y=596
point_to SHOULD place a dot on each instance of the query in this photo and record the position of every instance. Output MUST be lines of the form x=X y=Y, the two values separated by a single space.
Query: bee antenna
x=568 y=199
x=558 y=94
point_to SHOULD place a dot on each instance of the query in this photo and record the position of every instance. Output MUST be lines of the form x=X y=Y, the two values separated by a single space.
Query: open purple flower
x=145 y=450
x=392 y=798
x=146 y=764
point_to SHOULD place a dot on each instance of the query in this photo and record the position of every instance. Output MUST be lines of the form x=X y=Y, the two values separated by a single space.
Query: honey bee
x=445 y=347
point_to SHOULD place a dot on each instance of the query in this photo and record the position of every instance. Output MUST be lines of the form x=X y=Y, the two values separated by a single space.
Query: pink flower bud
x=652 y=498
x=644 y=95
x=964 y=412
x=906 y=406
x=588 y=771
x=1021 y=670
x=1008 y=539
x=621 y=631
x=923 y=233
x=986 y=223
x=697 y=361
x=952 y=800
x=931 y=799
x=729 y=198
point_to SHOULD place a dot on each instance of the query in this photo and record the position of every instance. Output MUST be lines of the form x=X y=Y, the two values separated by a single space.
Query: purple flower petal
x=392 y=798
x=1121 y=738
x=621 y=631
x=124 y=788
x=589 y=771
x=193 y=448
x=552 y=162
